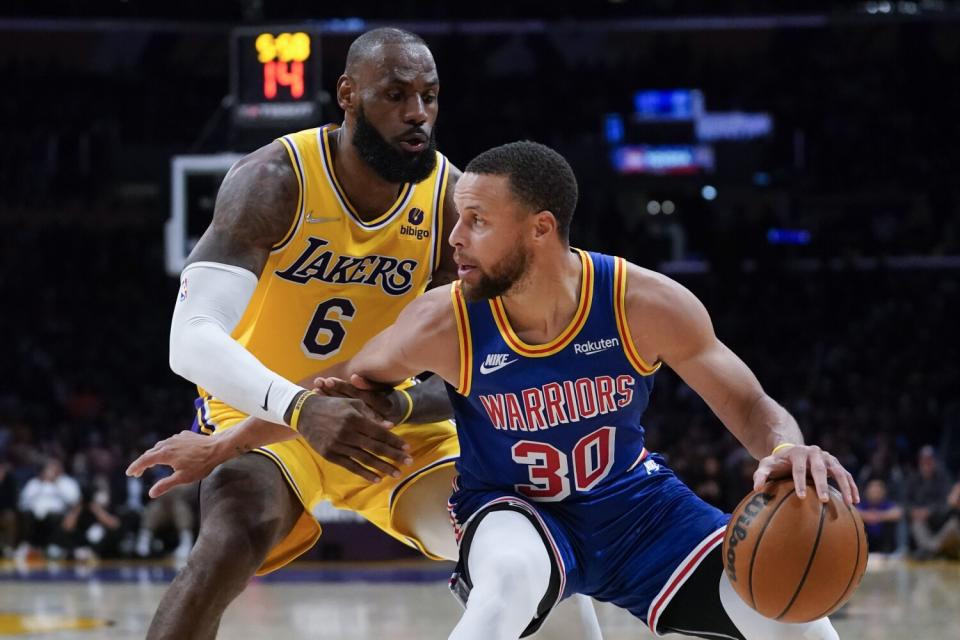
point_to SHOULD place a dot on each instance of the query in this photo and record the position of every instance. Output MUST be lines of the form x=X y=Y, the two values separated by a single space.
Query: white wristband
x=210 y=304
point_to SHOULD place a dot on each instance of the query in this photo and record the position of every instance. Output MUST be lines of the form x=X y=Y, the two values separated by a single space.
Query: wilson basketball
x=794 y=560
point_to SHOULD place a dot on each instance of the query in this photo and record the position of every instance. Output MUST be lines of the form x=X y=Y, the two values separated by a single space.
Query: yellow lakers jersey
x=335 y=280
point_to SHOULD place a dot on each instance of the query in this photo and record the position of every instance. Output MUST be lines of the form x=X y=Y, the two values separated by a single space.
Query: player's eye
x=394 y=96
x=430 y=98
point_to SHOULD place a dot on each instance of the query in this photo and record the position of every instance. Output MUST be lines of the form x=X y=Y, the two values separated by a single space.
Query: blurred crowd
x=865 y=360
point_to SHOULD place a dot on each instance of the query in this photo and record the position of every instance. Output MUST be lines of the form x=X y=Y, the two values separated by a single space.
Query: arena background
x=794 y=164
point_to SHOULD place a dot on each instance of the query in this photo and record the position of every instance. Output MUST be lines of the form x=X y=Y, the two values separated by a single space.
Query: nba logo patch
x=183 y=290
x=415 y=216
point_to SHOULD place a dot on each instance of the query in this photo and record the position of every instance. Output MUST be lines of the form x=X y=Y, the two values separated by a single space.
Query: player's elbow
x=179 y=364
x=185 y=348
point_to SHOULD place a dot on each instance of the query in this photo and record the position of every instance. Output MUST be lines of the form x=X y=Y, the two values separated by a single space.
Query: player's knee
x=518 y=575
x=754 y=626
x=820 y=629
x=240 y=522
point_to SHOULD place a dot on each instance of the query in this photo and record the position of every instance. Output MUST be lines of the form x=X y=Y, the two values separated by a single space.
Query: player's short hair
x=539 y=177
x=366 y=44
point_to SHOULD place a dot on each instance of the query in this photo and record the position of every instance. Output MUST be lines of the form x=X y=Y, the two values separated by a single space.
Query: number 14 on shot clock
x=283 y=57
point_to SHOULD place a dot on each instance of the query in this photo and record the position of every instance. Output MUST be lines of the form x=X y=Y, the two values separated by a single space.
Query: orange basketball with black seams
x=794 y=560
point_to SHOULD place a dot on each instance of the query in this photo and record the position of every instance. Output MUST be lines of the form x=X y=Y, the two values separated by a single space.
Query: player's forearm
x=250 y=434
x=383 y=362
x=430 y=401
x=768 y=424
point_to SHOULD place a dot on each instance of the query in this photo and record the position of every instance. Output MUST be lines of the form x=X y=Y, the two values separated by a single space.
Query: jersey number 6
x=327 y=325
x=548 y=466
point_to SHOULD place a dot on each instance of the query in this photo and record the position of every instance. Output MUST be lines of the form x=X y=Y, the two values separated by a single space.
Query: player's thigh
x=422 y=511
x=412 y=505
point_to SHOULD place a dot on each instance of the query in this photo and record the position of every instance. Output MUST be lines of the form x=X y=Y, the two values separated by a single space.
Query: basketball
x=794 y=560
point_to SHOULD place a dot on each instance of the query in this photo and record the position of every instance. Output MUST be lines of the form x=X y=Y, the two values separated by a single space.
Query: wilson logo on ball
x=739 y=531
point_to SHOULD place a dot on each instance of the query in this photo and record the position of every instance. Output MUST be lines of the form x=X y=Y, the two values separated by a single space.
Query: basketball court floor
x=398 y=601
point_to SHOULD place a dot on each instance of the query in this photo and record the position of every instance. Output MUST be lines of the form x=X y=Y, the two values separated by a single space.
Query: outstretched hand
x=798 y=460
x=191 y=455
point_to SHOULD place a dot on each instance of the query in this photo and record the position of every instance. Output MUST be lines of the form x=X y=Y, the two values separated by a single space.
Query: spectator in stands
x=881 y=515
x=174 y=508
x=707 y=482
x=883 y=466
x=933 y=520
x=8 y=509
x=44 y=502
x=91 y=530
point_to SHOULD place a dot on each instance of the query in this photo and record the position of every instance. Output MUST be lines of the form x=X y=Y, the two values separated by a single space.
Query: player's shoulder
x=271 y=162
x=652 y=286
x=655 y=296
x=453 y=173
x=264 y=177
x=433 y=309
x=255 y=207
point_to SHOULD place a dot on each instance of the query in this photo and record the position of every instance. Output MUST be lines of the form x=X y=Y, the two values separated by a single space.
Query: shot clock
x=275 y=77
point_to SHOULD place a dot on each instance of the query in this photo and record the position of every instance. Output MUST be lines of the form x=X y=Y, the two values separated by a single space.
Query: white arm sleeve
x=212 y=299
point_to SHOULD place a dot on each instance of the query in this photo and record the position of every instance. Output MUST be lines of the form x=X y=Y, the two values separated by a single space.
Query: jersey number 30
x=326 y=333
x=549 y=467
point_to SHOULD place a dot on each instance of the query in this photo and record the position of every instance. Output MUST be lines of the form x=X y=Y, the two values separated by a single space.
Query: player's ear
x=544 y=224
x=346 y=93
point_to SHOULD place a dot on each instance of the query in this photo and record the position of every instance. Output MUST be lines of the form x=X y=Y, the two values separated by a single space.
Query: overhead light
x=653 y=207
x=668 y=207
x=709 y=192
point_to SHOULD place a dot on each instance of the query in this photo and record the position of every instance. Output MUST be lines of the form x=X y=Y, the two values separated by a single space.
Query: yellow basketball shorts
x=433 y=447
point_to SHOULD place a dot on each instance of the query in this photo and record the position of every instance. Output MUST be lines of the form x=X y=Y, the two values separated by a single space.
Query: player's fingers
x=856 y=490
x=165 y=484
x=843 y=482
x=380 y=441
x=799 y=474
x=367 y=459
x=149 y=458
x=377 y=442
x=372 y=417
x=320 y=383
x=352 y=466
x=760 y=475
x=342 y=387
x=379 y=431
x=852 y=484
x=327 y=387
x=818 y=471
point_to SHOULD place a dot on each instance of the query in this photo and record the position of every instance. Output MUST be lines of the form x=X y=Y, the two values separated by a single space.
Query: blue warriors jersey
x=557 y=421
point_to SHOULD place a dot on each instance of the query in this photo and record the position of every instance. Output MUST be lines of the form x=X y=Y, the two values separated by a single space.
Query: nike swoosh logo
x=484 y=369
x=266 y=397
x=312 y=219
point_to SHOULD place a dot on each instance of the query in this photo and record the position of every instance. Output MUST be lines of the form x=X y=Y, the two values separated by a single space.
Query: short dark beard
x=390 y=163
x=499 y=281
